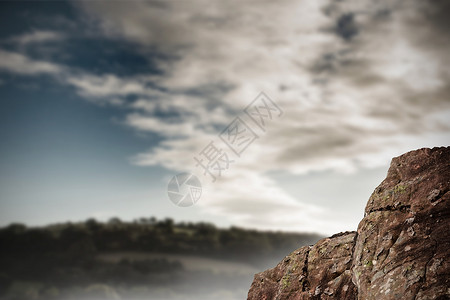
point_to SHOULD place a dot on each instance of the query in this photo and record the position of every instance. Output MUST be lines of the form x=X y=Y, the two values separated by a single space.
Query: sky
x=103 y=102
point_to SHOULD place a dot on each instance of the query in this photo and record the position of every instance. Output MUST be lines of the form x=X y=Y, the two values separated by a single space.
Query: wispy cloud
x=21 y=64
x=37 y=36
x=107 y=86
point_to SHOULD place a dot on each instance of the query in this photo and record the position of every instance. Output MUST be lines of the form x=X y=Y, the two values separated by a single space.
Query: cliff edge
x=401 y=249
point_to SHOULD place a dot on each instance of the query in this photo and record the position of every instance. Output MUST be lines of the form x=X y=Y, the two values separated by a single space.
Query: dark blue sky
x=63 y=157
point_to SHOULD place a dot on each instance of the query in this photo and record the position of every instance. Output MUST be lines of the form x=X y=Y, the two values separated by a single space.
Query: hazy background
x=102 y=102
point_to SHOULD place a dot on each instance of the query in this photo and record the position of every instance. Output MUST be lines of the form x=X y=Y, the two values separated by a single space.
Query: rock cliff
x=401 y=249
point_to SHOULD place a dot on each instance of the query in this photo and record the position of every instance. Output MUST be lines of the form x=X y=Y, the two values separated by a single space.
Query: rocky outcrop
x=400 y=251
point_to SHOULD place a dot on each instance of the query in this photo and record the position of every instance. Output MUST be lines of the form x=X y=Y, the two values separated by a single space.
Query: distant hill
x=144 y=259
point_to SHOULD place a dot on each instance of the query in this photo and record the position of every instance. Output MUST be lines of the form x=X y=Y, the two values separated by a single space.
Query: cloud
x=21 y=64
x=154 y=124
x=355 y=79
x=37 y=36
x=108 y=85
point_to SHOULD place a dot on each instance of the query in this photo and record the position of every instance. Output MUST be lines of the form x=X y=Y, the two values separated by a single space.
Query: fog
x=144 y=259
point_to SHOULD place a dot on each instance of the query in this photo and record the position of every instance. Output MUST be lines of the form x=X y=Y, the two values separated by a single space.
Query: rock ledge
x=401 y=249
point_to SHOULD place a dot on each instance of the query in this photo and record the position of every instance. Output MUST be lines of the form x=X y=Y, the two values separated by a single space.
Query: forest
x=143 y=259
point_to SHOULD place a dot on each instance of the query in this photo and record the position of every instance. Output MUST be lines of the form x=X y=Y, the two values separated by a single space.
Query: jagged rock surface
x=400 y=251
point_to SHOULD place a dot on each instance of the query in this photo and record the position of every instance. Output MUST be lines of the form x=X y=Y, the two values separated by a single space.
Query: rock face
x=400 y=251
